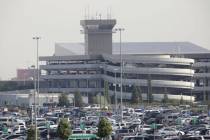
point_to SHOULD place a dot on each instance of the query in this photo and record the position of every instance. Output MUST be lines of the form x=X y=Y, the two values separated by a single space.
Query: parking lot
x=139 y=123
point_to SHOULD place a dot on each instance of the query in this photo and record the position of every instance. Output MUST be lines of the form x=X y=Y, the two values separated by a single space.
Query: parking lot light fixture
x=37 y=38
x=115 y=89
x=34 y=95
x=121 y=108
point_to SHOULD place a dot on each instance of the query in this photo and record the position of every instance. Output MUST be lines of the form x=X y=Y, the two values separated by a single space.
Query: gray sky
x=58 y=21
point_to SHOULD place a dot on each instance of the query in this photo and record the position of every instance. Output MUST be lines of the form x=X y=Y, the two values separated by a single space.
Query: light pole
x=33 y=105
x=101 y=68
x=204 y=86
x=37 y=63
x=149 y=88
x=191 y=85
x=120 y=30
x=115 y=89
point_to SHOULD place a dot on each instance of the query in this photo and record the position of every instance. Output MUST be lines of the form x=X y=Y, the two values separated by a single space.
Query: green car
x=83 y=137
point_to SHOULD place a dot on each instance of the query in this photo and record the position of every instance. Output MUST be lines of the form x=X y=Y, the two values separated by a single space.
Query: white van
x=7 y=121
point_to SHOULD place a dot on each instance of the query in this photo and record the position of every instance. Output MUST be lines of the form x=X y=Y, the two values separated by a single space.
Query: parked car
x=167 y=131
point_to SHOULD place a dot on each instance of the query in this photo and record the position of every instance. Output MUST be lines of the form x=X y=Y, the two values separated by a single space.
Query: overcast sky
x=58 y=21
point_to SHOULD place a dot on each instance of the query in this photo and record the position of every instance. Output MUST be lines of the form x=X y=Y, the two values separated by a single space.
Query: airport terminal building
x=178 y=68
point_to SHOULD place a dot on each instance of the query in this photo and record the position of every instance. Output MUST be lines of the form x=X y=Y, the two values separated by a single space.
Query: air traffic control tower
x=98 y=35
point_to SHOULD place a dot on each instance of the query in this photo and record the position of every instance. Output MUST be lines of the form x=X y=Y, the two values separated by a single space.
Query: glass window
x=92 y=83
x=73 y=83
x=83 y=83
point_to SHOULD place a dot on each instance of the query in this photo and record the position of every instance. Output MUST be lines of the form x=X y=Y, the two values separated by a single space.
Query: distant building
x=171 y=67
x=26 y=98
x=25 y=74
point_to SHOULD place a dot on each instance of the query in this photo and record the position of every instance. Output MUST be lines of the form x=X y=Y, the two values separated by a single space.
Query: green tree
x=135 y=96
x=31 y=133
x=149 y=94
x=139 y=93
x=165 y=96
x=181 y=100
x=104 y=128
x=106 y=92
x=64 y=129
x=92 y=99
x=78 y=99
x=63 y=100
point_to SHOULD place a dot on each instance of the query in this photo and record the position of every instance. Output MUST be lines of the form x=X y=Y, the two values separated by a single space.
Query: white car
x=128 y=110
x=167 y=131
x=118 y=126
x=20 y=122
x=95 y=107
x=44 y=125
x=136 y=121
x=53 y=125
x=19 y=129
x=201 y=137
x=144 y=128
x=138 y=112
x=112 y=121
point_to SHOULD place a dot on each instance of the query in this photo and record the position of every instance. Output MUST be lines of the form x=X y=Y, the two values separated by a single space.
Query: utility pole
x=149 y=88
x=121 y=107
x=33 y=105
x=37 y=63
x=204 y=86
x=191 y=85
x=115 y=89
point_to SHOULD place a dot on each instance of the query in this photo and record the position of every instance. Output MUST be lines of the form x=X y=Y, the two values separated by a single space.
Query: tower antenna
x=88 y=12
x=100 y=16
x=110 y=12
x=107 y=14
x=85 y=14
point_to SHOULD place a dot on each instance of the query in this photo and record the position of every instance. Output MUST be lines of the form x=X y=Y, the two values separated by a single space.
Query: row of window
x=74 y=83
x=202 y=82
x=202 y=70
x=72 y=72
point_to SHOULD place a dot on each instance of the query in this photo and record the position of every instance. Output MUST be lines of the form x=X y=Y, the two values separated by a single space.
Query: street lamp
x=33 y=106
x=191 y=85
x=115 y=89
x=120 y=31
x=149 y=87
x=101 y=68
x=204 y=85
x=37 y=63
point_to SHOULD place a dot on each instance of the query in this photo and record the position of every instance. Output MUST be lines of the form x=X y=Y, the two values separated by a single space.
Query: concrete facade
x=201 y=77
x=87 y=74
x=178 y=68
x=98 y=36
x=26 y=98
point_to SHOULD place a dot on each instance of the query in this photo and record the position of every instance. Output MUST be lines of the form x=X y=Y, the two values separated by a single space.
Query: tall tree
x=106 y=92
x=78 y=99
x=139 y=93
x=149 y=93
x=31 y=133
x=64 y=129
x=91 y=99
x=181 y=100
x=135 y=96
x=104 y=128
x=165 y=97
x=63 y=100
